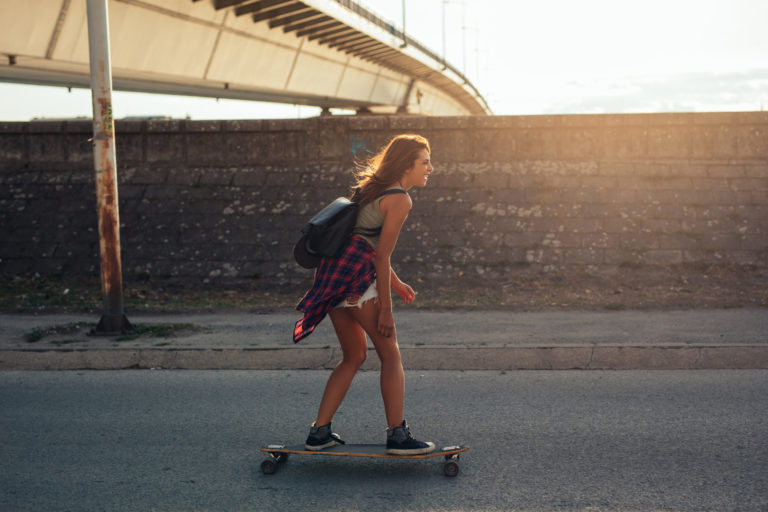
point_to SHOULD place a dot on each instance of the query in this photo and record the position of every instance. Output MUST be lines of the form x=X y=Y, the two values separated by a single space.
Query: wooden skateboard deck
x=279 y=453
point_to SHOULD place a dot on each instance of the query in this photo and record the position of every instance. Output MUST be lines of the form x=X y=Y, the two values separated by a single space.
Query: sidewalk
x=430 y=340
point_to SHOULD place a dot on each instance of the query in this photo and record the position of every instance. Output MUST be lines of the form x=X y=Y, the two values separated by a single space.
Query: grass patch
x=45 y=293
x=34 y=335
x=83 y=328
x=155 y=331
x=60 y=343
x=34 y=293
x=38 y=334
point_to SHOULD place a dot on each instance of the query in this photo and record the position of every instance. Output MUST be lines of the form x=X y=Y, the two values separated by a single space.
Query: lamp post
x=113 y=320
x=463 y=35
x=405 y=38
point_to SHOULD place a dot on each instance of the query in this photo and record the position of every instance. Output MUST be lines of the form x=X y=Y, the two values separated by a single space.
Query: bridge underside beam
x=329 y=53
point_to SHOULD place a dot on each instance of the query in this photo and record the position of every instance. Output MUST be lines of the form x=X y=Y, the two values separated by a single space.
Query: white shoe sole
x=317 y=448
x=418 y=451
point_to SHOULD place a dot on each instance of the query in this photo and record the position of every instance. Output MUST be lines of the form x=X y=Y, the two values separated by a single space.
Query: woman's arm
x=395 y=209
x=403 y=290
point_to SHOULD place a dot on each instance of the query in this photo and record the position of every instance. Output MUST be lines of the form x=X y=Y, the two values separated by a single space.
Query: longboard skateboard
x=279 y=453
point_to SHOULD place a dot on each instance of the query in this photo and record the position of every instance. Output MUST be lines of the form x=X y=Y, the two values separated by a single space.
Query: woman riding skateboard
x=354 y=290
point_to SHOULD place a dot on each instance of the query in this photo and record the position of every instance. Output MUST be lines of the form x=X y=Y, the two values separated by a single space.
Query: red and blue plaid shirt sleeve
x=336 y=279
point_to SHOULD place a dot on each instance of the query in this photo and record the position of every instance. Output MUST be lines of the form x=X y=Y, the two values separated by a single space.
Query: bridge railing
x=389 y=27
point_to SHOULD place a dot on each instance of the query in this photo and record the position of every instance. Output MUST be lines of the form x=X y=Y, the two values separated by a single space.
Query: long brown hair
x=387 y=167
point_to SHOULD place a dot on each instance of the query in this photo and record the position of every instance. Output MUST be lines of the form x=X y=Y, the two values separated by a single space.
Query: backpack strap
x=393 y=191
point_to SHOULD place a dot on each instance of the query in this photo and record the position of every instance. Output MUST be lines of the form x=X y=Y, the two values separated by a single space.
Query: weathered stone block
x=407 y=123
x=284 y=146
x=205 y=148
x=726 y=171
x=585 y=256
x=721 y=242
x=79 y=148
x=681 y=240
x=163 y=126
x=663 y=257
x=12 y=151
x=326 y=139
x=493 y=145
x=581 y=143
x=244 y=125
x=625 y=142
x=757 y=170
x=16 y=127
x=496 y=122
x=45 y=147
x=600 y=241
x=166 y=148
x=451 y=179
x=639 y=241
x=216 y=176
x=669 y=142
x=451 y=146
x=129 y=149
x=284 y=125
x=38 y=127
x=462 y=123
x=544 y=195
x=614 y=168
x=710 y=142
x=623 y=257
x=748 y=183
x=203 y=126
x=145 y=175
x=125 y=126
x=752 y=141
x=537 y=143
x=284 y=178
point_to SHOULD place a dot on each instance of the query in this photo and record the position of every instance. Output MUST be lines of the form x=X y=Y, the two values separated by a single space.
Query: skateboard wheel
x=450 y=468
x=283 y=457
x=268 y=467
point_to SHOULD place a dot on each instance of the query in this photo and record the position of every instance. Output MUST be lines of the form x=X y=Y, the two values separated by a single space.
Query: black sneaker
x=321 y=438
x=400 y=441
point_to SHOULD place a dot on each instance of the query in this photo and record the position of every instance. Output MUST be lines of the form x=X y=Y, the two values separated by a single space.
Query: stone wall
x=216 y=201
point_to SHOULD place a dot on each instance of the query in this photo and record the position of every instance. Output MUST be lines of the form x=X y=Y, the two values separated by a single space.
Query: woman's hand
x=386 y=325
x=404 y=291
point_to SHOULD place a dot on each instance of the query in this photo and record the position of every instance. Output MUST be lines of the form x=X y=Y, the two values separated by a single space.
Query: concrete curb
x=563 y=357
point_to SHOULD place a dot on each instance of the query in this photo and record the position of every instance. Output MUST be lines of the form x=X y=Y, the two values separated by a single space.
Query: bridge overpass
x=326 y=53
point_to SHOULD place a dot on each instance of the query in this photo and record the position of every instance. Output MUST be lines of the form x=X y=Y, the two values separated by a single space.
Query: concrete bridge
x=327 y=53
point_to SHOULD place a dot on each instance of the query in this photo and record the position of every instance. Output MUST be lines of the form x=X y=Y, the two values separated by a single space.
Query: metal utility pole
x=113 y=320
x=464 y=37
x=444 y=56
x=405 y=38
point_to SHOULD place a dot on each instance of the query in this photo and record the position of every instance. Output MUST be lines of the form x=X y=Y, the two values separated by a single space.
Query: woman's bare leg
x=392 y=376
x=354 y=350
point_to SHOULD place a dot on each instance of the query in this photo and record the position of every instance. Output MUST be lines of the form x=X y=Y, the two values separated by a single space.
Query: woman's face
x=418 y=174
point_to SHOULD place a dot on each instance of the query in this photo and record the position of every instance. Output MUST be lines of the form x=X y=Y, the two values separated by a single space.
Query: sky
x=528 y=57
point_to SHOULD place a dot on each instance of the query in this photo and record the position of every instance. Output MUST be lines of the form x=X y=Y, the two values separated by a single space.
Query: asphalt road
x=567 y=440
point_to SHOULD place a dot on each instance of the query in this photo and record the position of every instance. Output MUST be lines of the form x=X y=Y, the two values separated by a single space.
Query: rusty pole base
x=111 y=325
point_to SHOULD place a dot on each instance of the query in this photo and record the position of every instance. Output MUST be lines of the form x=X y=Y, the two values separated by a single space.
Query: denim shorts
x=369 y=294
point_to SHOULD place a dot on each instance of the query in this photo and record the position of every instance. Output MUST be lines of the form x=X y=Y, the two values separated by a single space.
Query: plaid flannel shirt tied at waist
x=348 y=275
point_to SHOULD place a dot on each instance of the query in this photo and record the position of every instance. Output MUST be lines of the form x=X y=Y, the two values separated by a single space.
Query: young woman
x=354 y=290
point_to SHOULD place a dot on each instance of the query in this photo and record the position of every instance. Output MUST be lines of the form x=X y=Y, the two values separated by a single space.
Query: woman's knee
x=355 y=357
x=389 y=351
